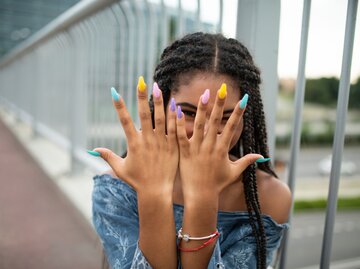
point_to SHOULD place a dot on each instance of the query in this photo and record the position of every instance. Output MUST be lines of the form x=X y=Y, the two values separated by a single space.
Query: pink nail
x=205 y=97
x=156 y=90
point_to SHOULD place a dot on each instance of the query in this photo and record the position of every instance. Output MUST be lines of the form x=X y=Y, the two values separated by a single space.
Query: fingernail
x=222 y=91
x=172 y=105
x=263 y=160
x=244 y=101
x=93 y=153
x=156 y=90
x=179 y=112
x=205 y=97
x=115 y=94
x=141 y=84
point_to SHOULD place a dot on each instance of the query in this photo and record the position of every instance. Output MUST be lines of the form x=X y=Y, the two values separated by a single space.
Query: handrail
x=75 y=14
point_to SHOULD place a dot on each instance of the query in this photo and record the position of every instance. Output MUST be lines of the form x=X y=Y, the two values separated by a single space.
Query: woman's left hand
x=205 y=167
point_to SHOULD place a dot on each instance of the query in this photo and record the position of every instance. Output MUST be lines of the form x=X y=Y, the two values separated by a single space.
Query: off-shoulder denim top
x=116 y=220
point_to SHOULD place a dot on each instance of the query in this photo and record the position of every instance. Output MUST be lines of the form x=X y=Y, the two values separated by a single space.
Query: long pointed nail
x=115 y=94
x=172 y=105
x=179 y=112
x=156 y=90
x=93 y=153
x=244 y=101
x=141 y=84
x=222 y=92
x=205 y=97
x=263 y=160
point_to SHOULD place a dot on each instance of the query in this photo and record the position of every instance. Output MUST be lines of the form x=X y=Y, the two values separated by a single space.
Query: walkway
x=39 y=226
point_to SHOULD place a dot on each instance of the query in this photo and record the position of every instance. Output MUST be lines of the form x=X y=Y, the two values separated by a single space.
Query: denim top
x=116 y=220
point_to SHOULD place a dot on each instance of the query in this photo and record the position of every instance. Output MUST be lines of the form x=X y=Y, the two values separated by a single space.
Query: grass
x=352 y=203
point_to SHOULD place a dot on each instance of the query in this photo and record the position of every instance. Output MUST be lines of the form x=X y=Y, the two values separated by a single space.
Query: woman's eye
x=189 y=114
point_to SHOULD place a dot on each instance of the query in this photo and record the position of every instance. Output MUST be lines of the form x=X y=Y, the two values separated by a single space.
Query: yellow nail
x=222 y=91
x=141 y=84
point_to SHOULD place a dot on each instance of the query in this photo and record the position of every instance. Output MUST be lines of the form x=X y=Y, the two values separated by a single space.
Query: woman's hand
x=152 y=155
x=205 y=167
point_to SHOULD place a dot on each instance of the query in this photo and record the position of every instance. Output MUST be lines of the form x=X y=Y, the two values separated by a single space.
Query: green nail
x=93 y=153
x=244 y=101
x=115 y=94
x=263 y=160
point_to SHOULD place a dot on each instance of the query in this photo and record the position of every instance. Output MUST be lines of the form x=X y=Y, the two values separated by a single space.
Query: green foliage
x=320 y=204
x=324 y=91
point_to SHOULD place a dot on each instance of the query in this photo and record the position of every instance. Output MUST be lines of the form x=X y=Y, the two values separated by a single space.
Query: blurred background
x=58 y=60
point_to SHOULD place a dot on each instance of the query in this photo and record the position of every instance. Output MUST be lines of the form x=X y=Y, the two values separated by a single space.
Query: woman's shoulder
x=274 y=197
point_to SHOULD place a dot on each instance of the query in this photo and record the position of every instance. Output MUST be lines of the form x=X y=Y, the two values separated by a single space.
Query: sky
x=325 y=41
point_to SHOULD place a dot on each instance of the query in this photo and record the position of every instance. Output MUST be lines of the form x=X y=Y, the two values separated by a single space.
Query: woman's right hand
x=152 y=155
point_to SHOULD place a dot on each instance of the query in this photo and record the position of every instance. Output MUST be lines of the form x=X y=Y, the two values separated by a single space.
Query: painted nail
x=205 y=97
x=156 y=90
x=263 y=160
x=172 y=105
x=179 y=112
x=93 y=153
x=115 y=94
x=222 y=91
x=141 y=84
x=244 y=101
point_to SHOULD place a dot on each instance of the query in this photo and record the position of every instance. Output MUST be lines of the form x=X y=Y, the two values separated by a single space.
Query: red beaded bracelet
x=212 y=239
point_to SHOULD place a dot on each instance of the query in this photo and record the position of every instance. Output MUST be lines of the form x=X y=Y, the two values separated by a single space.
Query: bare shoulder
x=274 y=197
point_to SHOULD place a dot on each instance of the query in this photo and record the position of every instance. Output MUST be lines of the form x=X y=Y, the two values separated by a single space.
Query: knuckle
x=144 y=115
x=159 y=121
x=199 y=126
x=125 y=121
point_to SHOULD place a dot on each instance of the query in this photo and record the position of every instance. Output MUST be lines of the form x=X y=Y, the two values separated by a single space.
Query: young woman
x=196 y=188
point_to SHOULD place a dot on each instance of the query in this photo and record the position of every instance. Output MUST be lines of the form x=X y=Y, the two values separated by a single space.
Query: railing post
x=299 y=101
x=339 y=137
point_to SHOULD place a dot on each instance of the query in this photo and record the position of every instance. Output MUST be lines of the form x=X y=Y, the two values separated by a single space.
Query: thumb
x=242 y=163
x=110 y=157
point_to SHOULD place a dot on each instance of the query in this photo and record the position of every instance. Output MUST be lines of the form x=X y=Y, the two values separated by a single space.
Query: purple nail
x=205 y=97
x=156 y=90
x=172 y=105
x=179 y=112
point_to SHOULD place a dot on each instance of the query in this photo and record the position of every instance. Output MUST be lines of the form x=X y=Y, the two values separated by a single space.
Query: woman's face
x=192 y=86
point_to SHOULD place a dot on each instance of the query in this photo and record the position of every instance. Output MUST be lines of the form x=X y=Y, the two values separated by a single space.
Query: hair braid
x=217 y=54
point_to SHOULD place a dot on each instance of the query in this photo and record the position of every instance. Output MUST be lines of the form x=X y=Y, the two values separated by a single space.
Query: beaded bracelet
x=212 y=239
x=187 y=237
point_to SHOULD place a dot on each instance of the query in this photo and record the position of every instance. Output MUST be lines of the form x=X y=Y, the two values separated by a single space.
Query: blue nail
x=93 y=153
x=244 y=101
x=172 y=104
x=115 y=94
x=263 y=160
x=179 y=112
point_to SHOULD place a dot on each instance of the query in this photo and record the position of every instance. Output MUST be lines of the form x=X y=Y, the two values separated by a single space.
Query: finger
x=181 y=133
x=123 y=115
x=143 y=107
x=159 y=115
x=233 y=122
x=171 y=124
x=241 y=164
x=111 y=158
x=216 y=114
x=198 y=133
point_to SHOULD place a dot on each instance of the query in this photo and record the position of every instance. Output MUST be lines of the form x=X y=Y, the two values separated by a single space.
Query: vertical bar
x=180 y=26
x=338 y=147
x=221 y=9
x=299 y=102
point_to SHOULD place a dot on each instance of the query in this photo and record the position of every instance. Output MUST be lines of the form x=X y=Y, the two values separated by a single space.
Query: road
x=309 y=159
x=306 y=235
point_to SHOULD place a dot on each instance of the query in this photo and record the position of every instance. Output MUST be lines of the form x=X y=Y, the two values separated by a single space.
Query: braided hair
x=214 y=53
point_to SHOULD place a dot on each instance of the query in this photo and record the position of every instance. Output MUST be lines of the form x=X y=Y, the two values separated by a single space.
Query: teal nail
x=115 y=94
x=244 y=101
x=93 y=153
x=263 y=160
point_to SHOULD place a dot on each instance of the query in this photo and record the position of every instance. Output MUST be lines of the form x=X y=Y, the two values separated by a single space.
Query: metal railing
x=59 y=79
